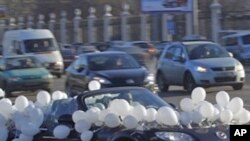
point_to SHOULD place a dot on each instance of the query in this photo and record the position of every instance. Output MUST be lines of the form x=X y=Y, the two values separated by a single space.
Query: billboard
x=166 y=5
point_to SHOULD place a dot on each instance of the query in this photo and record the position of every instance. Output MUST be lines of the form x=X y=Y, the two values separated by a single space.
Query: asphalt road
x=175 y=94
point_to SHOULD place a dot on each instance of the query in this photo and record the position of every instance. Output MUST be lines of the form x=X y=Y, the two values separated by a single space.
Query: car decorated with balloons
x=119 y=114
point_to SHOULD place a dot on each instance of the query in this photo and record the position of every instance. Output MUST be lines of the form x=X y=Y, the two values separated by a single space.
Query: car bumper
x=29 y=85
x=219 y=78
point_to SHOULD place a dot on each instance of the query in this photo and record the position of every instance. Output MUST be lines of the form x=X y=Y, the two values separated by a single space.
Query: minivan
x=239 y=45
x=40 y=43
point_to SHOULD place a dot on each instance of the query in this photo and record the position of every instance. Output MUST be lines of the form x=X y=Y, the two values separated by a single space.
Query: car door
x=166 y=63
x=78 y=77
x=178 y=65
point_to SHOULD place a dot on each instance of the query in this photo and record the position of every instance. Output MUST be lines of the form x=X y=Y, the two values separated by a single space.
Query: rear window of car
x=246 y=39
x=230 y=42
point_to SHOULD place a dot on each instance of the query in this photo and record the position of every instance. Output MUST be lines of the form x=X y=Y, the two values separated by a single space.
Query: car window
x=230 y=42
x=141 y=45
x=246 y=39
x=40 y=45
x=206 y=50
x=111 y=61
x=170 y=53
x=21 y=63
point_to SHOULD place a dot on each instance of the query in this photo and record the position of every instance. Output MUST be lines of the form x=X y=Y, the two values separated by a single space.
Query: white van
x=238 y=44
x=38 y=42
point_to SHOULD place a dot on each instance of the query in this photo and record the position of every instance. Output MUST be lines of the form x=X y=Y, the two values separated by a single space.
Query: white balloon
x=207 y=110
x=125 y=107
x=99 y=123
x=6 y=109
x=139 y=112
x=93 y=114
x=197 y=117
x=36 y=116
x=21 y=103
x=186 y=118
x=103 y=114
x=2 y=93
x=79 y=115
x=29 y=129
x=235 y=105
x=94 y=85
x=198 y=94
x=6 y=100
x=82 y=125
x=43 y=97
x=61 y=132
x=3 y=133
x=244 y=117
x=114 y=106
x=220 y=108
x=130 y=122
x=2 y=120
x=222 y=98
x=111 y=120
x=57 y=95
x=24 y=137
x=151 y=115
x=216 y=115
x=226 y=116
x=187 y=105
x=167 y=116
x=86 y=136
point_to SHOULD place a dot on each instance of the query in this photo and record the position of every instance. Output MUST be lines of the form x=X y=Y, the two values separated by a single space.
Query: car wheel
x=163 y=87
x=237 y=86
x=189 y=83
x=58 y=75
x=7 y=90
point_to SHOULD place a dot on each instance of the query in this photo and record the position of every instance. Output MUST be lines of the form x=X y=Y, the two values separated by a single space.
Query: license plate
x=226 y=74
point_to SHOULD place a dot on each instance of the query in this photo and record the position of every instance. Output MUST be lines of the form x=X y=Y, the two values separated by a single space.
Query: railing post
x=40 y=23
x=108 y=30
x=144 y=27
x=20 y=22
x=63 y=27
x=215 y=14
x=52 y=22
x=30 y=22
x=12 y=23
x=77 y=28
x=125 y=29
x=91 y=25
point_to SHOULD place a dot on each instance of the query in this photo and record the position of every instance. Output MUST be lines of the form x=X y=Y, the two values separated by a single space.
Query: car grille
x=225 y=79
x=223 y=68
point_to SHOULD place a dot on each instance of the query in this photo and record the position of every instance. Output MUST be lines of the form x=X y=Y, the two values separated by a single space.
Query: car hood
x=138 y=73
x=27 y=72
x=215 y=62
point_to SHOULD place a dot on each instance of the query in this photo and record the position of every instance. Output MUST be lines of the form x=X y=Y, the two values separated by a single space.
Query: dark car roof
x=104 y=53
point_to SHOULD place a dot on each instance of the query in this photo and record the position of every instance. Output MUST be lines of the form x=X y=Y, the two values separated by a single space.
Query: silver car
x=198 y=63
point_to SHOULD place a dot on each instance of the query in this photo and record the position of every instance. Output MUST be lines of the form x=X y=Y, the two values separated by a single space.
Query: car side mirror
x=80 y=68
x=230 y=54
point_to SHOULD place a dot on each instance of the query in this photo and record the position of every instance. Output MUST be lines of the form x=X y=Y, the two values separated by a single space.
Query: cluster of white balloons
x=24 y=115
x=196 y=109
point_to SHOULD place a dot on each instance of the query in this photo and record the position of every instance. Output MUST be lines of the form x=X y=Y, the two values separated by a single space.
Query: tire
x=7 y=90
x=238 y=86
x=189 y=83
x=58 y=75
x=163 y=87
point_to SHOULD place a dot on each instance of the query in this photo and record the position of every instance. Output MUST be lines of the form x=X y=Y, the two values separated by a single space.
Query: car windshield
x=22 y=63
x=133 y=96
x=111 y=62
x=40 y=45
x=205 y=50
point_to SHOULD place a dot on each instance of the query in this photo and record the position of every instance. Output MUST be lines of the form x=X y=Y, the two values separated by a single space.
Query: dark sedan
x=62 y=110
x=111 y=69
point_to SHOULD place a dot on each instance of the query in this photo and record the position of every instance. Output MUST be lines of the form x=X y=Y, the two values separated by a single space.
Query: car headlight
x=201 y=69
x=59 y=63
x=239 y=67
x=49 y=76
x=102 y=80
x=174 y=136
x=149 y=78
